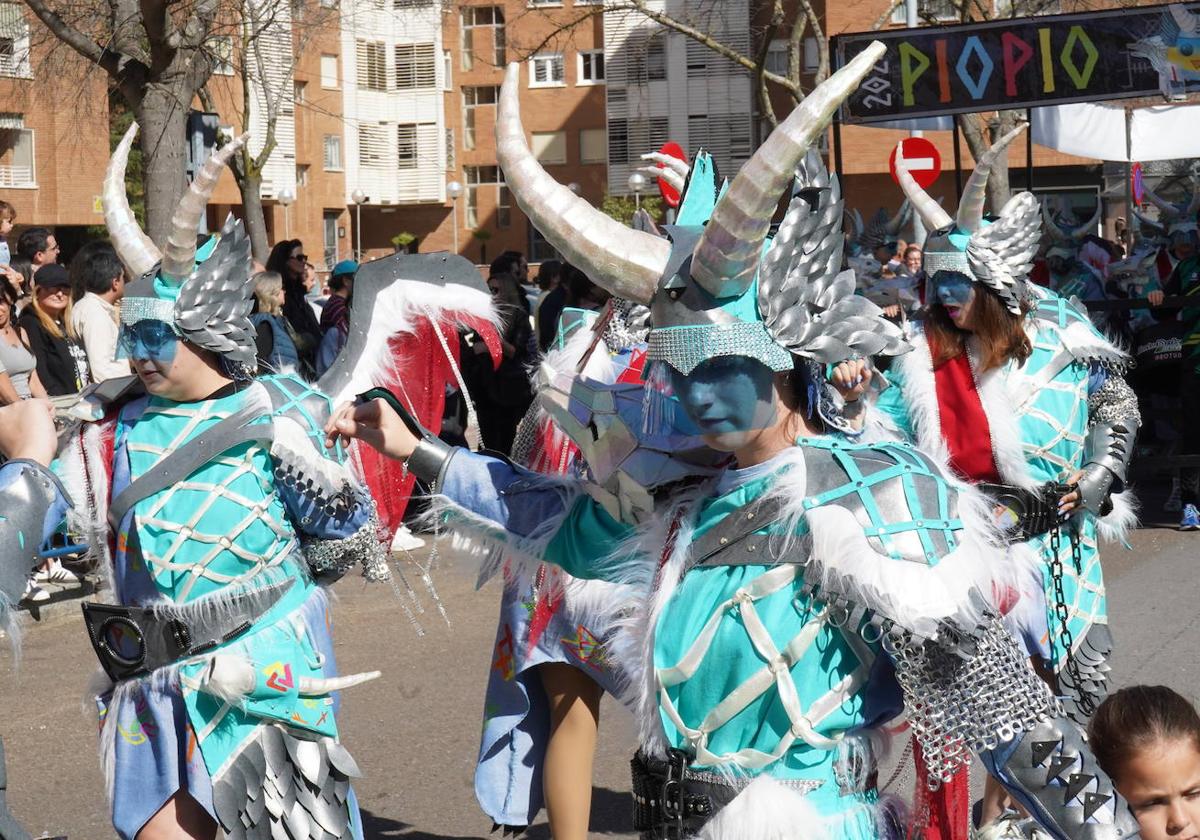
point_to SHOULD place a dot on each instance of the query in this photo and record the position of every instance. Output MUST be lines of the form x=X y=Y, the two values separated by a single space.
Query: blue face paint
x=727 y=394
x=150 y=340
x=953 y=289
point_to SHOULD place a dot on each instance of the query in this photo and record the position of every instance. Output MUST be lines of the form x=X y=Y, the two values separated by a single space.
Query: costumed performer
x=225 y=518
x=788 y=608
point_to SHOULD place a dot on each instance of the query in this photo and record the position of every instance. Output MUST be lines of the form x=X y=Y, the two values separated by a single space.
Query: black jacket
x=55 y=365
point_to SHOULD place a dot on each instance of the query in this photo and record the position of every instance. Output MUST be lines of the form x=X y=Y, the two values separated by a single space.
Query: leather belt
x=671 y=800
x=1026 y=513
x=131 y=641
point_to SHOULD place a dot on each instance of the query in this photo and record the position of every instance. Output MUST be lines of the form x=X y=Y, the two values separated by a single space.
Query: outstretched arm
x=528 y=512
x=32 y=501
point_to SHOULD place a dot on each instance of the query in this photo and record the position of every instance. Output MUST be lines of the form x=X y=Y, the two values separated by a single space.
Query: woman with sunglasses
x=289 y=260
x=61 y=361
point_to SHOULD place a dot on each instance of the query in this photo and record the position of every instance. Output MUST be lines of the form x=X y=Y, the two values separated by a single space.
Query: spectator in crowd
x=95 y=317
x=1147 y=739
x=335 y=315
x=8 y=217
x=273 y=334
x=578 y=293
x=18 y=367
x=548 y=281
x=912 y=261
x=1184 y=280
x=19 y=272
x=287 y=259
x=19 y=381
x=336 y=311
x=513 y=263
x=40 y=246
x=61 y=361
x=508 y=391
x=79 y=263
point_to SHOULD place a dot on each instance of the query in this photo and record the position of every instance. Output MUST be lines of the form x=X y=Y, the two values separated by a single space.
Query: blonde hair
x=267 y=286
x=48 y=323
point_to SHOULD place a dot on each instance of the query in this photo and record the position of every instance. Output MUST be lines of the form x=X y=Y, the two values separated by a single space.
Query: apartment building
x=53 y=130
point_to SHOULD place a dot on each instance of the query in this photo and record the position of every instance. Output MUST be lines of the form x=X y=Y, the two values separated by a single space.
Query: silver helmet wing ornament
x=999 y=254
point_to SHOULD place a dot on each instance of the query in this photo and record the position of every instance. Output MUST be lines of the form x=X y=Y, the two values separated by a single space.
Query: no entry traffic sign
x=922 y=160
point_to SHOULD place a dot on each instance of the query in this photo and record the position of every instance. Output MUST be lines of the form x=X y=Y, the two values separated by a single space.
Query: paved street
x=415 y=731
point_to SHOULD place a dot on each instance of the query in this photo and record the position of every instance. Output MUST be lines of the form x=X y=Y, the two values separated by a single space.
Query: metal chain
x=1082 y=699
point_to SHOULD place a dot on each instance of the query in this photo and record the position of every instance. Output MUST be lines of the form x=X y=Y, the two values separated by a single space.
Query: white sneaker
x=55 y=573
x=406 y=540
x=34 y=594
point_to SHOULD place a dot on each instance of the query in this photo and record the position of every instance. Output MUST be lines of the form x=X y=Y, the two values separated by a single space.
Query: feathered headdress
x=204 y=295
x=998 y=254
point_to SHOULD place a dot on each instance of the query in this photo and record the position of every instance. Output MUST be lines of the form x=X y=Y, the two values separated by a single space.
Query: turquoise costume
x=1039 y=413
x=780 y=614
x=226 y=515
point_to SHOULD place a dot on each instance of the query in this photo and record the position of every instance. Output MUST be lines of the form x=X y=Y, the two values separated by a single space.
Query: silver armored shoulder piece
x=1052 y=771
x=27 y=501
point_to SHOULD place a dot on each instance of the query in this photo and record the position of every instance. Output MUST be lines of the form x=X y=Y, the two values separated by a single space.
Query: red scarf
x=965 y=426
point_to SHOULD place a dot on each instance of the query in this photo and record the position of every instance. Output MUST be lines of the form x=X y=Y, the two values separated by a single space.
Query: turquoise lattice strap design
x=931 y=515
x=295 y=398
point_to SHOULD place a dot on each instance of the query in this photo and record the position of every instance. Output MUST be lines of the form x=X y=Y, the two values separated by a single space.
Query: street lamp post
x=637 y=183
x=359 y=198
x=285 y=197
x=454 y=189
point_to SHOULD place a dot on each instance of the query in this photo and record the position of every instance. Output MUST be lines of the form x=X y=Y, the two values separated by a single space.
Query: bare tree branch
x=882 y=20
x=76 y=40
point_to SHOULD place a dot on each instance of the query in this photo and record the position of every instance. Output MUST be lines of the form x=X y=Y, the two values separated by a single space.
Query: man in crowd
x=96 y=317
x=39 y=246
x=335 y=314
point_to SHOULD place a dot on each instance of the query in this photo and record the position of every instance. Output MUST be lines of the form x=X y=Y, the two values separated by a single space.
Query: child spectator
x=1147 y=739
x=8 y=216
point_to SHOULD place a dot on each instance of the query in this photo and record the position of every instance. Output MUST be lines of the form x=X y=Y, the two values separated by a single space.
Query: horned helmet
x=723 y=288
x=202 y=295
x=995 y=254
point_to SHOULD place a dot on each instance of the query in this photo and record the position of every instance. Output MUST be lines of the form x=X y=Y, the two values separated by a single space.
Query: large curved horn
x=1170 y=211
x=628 y=263
x=1090 y=225
x=970 y=206
x=1148 y=222
x=1052 y=228
x=726 y=257
x=932 y=214
x=679 y=167
x=179 y=254
x=668 y=171
x=136 y=250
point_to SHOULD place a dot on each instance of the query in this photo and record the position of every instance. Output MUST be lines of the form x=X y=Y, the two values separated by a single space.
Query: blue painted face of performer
x=151 y=346
x=728 y=398
x=955 y=292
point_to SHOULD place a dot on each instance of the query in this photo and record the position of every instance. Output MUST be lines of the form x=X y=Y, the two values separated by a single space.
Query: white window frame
x=778 y=49
x=337 y=72
x=580 y=79
x=544 y=4
x=366 y=74
x=302 y=175
x=549 y=59
x=326 y=145
x=299 y=92
x=8 y=173
x=17 y=66
x=220 y=48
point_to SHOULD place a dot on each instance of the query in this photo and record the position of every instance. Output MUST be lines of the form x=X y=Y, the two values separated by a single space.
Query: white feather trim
x=397 y=310
x=766 y=810
x=920 y=398
x=1122 y=519
x=85 y=474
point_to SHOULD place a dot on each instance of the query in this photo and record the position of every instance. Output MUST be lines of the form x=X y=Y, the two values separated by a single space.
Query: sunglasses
x=301 y=257
x=49 y=291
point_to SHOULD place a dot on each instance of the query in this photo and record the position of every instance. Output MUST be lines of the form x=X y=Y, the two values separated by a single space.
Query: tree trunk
x=162 y=114
x=250 y=186
x=980 y=131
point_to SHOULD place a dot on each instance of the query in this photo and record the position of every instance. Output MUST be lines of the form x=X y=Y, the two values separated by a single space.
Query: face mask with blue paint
x=148 y=340
x=950 y=288
x=726 y=394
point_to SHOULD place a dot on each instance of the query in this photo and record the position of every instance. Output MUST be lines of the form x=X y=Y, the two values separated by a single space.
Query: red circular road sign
x=923 y=160
x=669 y=194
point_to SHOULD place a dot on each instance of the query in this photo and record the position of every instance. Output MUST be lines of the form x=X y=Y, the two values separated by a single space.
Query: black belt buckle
x=119 y=639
